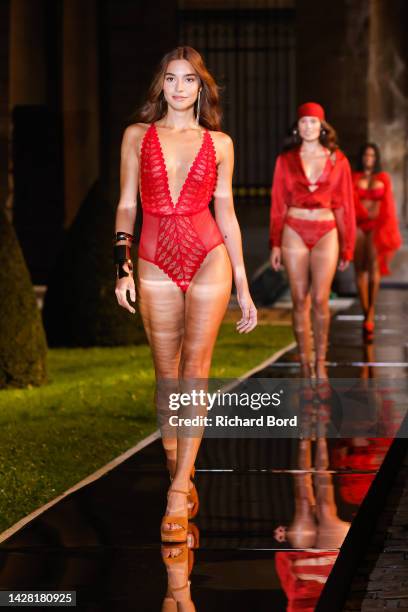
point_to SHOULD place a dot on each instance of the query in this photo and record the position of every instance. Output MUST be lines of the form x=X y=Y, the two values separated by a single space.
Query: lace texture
x=179 y=249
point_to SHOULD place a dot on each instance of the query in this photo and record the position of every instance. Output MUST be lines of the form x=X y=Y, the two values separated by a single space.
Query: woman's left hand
x=343 y=265
x=249 y=314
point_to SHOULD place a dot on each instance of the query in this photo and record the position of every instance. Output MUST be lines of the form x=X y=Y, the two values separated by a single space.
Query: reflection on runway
x=273 y=513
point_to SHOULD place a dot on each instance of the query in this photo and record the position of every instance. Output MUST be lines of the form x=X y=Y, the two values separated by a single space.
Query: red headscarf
x=311 y=109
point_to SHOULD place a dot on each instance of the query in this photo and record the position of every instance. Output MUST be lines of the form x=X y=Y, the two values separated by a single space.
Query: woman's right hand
x=276 y=259
x=123 y=285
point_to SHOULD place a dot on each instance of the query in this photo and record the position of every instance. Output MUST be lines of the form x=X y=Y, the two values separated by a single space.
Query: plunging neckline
x=317 y=181
x=166 y=174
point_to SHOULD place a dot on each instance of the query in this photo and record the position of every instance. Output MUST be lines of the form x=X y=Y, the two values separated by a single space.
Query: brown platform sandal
x=180 y=558
x=186 y=554
x=187 y=551
x=174 y=535
x=169 y=603
x=192 y=497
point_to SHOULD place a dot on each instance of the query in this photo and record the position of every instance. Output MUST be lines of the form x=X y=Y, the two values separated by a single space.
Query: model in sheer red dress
x=312 y=226
x=180 y=160
x=378 y=235
x=316 y=529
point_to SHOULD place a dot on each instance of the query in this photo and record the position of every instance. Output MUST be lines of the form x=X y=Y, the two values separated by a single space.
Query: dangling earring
x=198 y=107
x=295 y=132
x=323 y=132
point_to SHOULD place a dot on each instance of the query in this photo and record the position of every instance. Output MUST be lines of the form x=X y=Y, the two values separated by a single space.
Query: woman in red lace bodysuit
x=180 y=160
x=378 y=236
x=312 y=226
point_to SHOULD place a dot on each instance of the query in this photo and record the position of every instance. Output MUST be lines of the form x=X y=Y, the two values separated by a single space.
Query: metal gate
x=251 y=53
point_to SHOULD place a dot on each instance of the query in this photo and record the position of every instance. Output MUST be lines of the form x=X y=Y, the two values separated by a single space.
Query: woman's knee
x=361 y=275
x=320 y=302
x=373 y=268
x=360 y=266
x=195 y=366
x=300 y=301
x=169 y=444
x=167 y=371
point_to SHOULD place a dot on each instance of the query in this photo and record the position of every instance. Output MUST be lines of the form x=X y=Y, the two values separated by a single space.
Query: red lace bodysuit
x=386 y=234
x=176 y=236
x=333 y=190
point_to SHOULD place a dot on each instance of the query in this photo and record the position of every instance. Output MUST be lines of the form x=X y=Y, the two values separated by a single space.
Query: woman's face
x=369 y=158
x=181 y=85
x=309 y=128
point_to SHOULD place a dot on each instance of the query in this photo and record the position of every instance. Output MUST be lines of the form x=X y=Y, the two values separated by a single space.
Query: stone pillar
x=28 y=83
x=36 y=138
x=4 y=100
x=80 y=102
x=388 y=92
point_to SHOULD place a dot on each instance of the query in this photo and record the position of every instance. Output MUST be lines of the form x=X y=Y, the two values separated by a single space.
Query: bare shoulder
x=223 y=144
x=133 y=135
x=135 y=131
x=221 y=138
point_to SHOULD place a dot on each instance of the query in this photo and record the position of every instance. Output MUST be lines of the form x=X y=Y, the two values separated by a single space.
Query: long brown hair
x=155 y=106
x=327 y=138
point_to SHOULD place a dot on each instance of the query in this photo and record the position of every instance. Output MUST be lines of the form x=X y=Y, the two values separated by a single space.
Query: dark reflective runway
x=273 y=513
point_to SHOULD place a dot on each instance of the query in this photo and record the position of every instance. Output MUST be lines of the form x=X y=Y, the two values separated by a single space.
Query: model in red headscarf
x=378 y=236
x=312 y=226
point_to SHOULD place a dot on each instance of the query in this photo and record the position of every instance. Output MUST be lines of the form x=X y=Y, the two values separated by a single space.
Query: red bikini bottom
x=367 y=225
x=310 y=230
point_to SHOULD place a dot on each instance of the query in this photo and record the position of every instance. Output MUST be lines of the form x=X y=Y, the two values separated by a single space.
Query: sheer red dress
x=386 y=234
x=303 y=575
x=176 y=236
x=333 y=190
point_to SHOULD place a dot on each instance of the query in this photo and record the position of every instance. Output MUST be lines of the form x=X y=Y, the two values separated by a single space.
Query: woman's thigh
x=207 y=299
x=323 y=262
x=161 y=304
x=372 y=254
x=361 y=251
x=296 y=259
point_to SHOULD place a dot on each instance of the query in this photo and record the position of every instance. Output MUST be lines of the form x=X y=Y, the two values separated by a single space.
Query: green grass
x=97 y=404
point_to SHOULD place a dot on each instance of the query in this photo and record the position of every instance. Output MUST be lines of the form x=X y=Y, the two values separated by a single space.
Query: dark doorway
x=251 y=53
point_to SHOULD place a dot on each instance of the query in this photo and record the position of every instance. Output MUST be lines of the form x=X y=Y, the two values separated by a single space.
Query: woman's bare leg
x=161 y=305
x=323 y=261
x=206 y=301
x=296 y=259
x=182 y=331
x=361 y=269
x=373 y=277
x=302 y=531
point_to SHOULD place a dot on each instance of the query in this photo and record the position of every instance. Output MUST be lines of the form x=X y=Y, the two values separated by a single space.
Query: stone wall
x=353 y=59
x=388 y=92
